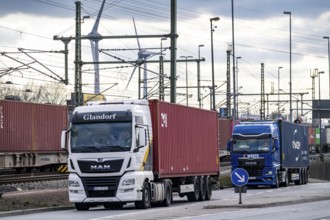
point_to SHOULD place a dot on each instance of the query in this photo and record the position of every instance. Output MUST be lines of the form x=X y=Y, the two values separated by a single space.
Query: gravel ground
x=34 y=195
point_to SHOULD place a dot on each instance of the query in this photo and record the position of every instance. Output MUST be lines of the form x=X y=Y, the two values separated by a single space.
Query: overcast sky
x=261 y=36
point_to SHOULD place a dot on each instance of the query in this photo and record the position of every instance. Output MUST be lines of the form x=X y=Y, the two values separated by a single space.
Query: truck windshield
x=251 y=145
x=101 y=137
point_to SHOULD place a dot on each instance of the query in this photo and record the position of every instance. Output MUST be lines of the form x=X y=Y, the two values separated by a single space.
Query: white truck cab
x=108 y=152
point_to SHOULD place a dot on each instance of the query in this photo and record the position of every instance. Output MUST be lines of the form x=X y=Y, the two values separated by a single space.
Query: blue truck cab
x=274 y=153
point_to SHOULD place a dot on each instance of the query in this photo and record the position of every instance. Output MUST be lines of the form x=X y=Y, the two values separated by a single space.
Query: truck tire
x=299 y=182
x=193 y=196
x=277 y=182
x=168 y=194
x=305 y=175
x=81 y=206
x=202 y=192
x=286 y=181
x=145 y=202
x=208 y=193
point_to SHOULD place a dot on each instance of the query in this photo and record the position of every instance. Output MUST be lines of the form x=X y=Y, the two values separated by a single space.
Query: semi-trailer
x=140 y=151
x=274 y=153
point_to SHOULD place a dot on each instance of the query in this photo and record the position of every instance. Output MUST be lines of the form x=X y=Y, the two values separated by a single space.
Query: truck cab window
x=101 y=137
x=252 y=145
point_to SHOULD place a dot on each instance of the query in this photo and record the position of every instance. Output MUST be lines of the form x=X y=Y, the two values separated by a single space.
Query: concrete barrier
x=319 y=167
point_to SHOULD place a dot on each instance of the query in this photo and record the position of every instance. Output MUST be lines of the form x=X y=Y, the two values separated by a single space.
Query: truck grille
x=109 y=166
x=253 y=172
x=101 y=186
x=251 y=163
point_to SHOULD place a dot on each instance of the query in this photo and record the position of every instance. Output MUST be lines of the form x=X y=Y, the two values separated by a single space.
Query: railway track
x=30 y=177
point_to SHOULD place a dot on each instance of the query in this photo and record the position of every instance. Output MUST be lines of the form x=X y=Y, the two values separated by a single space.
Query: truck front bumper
x=128 y=190
x=268 y=177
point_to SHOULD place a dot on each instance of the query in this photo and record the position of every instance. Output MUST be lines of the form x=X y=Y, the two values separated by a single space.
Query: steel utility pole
x=228 y=82
x=262 y=93
x=198 y=76
x=313 y=74
x=173 y=50
x=327 y=38
x=233 y=49
x=290 y=83
x=77 y=87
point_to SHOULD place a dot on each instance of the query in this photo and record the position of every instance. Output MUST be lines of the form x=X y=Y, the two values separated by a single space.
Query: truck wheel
x=298 y=182
x=193 y=196
x=168 y=194
x=277 y=182
x=305 y=176
x=202 y=191
x=286 y=182
x=145 y=202
x=208 y=193
x=81 y=206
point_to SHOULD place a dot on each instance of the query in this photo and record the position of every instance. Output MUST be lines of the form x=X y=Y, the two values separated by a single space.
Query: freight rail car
x=30 y=135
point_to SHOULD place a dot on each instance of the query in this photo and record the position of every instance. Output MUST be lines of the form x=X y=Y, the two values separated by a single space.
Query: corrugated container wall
x=30 y=127
x=225 y=131
x=328 y=135
x=185 y=140
x=294 y=145
x=311 y=136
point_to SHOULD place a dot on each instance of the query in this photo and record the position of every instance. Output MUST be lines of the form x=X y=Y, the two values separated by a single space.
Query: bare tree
x=51 y=93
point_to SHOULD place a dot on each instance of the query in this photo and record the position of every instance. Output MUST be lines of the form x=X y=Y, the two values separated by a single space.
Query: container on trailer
x=311 y=136
x=185 y=140
x=294 y=145
x=31 y=127
x=225 y=131
x=323 y=136
x=328 y=135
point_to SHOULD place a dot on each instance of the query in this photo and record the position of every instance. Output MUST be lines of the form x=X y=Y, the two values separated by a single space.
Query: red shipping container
x=225 y=131
x=185 y=140
x=30 y=127
x=311 y=136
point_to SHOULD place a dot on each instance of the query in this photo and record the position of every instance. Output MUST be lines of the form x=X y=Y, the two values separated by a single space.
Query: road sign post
x=240 y=177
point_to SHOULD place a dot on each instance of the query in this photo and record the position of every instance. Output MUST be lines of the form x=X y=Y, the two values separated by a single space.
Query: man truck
x=273 y=153
x=139 y=151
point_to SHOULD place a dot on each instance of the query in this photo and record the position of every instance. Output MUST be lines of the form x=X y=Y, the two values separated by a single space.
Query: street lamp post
x=290 y=83
x=319 y=75
x=199 y=76
x=327 y=37
x=236 y=87
x=161 y=70
x=212 y=58
x=187 y=95
x=278 y=92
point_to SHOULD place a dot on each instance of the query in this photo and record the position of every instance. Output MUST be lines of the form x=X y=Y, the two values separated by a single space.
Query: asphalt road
x=259 y=203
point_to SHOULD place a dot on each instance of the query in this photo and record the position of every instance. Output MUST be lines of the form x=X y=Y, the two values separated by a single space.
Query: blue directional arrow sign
x=239 y=177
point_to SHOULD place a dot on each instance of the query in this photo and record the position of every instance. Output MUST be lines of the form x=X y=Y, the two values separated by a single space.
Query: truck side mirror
x=64 y=139
x=229 y=142
x=141 y=137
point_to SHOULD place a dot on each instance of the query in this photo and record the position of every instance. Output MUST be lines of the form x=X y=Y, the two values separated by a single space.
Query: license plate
x=252 y=178
x=100 y=188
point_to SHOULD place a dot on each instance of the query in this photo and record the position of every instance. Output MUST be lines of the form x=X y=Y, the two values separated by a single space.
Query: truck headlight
x=269 y=173
x=127 y=182
x=74 y=183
